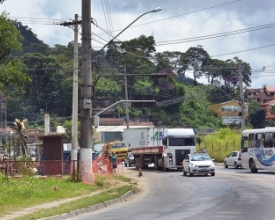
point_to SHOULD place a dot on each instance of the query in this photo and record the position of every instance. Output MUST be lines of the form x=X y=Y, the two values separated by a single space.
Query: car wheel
x=236 y=165
x=184 y=173
x=212 y=174
x=125 y=164
x=225 y=164
x=190 y=174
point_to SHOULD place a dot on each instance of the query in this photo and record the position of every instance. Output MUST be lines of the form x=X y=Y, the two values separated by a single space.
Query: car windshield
x=200 y=157
x=118 y=145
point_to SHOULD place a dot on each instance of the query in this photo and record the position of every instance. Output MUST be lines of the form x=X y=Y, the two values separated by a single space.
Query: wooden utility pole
x=75 y=93
x=241 y=97
x=86 y=96
x=126 y=98
x=74 y=132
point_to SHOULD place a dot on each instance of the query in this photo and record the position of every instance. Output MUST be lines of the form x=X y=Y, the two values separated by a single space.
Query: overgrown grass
x=81 y=203
x=221 y=144
x=27 y=191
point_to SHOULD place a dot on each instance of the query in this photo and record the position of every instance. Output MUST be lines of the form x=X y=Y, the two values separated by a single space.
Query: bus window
x=250 y=141
x=259 y=138
x=244 y=142
x=268 y=140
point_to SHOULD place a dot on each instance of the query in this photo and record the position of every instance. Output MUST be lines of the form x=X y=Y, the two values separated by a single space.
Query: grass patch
x=27 y=191
x=221 y=144
x=80 y=203
x=122 y=178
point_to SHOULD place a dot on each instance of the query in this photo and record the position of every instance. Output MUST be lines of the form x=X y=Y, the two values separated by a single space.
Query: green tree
x=232 y=76
x=195 y=58
x=10 y=40
x=214 y=69
x=174 y=61
x=46 y=80
x=256 y=115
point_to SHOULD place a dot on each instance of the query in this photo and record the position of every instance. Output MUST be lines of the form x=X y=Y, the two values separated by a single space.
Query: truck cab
x=120 y=148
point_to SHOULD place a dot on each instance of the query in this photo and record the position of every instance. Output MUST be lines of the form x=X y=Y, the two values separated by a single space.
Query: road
x=231 y=194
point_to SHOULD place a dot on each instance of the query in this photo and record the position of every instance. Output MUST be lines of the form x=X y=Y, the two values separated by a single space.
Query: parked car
x=129 y=159
x=233 y=159
x=198 y=163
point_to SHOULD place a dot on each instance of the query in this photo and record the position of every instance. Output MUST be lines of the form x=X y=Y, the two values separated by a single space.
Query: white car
x=233 y=159
x=198 y=163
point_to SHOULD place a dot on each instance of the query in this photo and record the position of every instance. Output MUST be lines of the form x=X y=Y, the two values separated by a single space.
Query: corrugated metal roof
x=116 y=128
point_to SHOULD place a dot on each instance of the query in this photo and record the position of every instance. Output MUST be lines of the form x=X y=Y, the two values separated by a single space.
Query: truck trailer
x=165 y=147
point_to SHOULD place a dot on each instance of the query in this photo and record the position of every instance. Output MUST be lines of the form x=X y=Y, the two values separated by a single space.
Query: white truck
x=165 y=147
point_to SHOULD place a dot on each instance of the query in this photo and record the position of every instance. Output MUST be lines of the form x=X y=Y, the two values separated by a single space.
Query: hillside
x=181 y=101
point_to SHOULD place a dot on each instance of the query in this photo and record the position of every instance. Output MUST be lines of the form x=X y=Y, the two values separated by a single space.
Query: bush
x=220 y=144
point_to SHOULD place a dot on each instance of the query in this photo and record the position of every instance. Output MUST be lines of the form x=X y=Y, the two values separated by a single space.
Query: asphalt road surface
x=231 y=194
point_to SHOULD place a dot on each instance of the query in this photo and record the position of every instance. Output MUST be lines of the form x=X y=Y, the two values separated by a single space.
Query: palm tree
x=22 y=137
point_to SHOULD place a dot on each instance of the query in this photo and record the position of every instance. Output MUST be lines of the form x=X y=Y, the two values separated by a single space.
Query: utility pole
x=126 y=98
x=86 y=100
x=75 y=93
x=74 y=132
x=241 y=96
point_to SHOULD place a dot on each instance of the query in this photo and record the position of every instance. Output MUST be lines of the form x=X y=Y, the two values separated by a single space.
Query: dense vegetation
x=220 y=144
x=36 y=78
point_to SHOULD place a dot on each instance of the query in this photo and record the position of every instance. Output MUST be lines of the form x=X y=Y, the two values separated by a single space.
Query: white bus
x=258 y=149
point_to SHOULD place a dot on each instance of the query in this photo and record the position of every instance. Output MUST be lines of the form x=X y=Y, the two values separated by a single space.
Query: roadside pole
x=86 y=100
x=241 y=97
x=74 y=133
x=75 y=95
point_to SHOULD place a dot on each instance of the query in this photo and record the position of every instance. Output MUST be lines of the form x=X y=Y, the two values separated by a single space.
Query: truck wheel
x=156 y=163
x=163 y=166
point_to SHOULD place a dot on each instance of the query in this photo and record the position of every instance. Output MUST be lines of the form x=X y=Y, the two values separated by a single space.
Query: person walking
x=114 y=161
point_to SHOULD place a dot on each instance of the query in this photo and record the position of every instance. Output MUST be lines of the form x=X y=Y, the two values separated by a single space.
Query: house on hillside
x=268 y=107
x=229 y=112
x=261 y=95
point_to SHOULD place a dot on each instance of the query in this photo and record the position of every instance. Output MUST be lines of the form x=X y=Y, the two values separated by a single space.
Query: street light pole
x=126 y=91
x=155 y=10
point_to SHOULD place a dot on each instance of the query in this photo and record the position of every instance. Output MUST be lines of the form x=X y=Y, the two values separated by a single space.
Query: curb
x=95 y=207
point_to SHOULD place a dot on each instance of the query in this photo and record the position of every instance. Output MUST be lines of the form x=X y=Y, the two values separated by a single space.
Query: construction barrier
x=86 y=171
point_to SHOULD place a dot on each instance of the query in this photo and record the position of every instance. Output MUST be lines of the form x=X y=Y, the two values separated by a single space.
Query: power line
x=200 y=10
x=210 y=36
x=241 y=51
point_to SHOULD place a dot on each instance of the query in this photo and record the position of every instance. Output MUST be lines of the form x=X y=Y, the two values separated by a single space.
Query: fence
x=220 y=146
x=84 y=170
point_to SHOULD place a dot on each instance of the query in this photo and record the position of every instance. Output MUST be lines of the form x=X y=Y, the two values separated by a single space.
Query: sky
x=175 y=28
